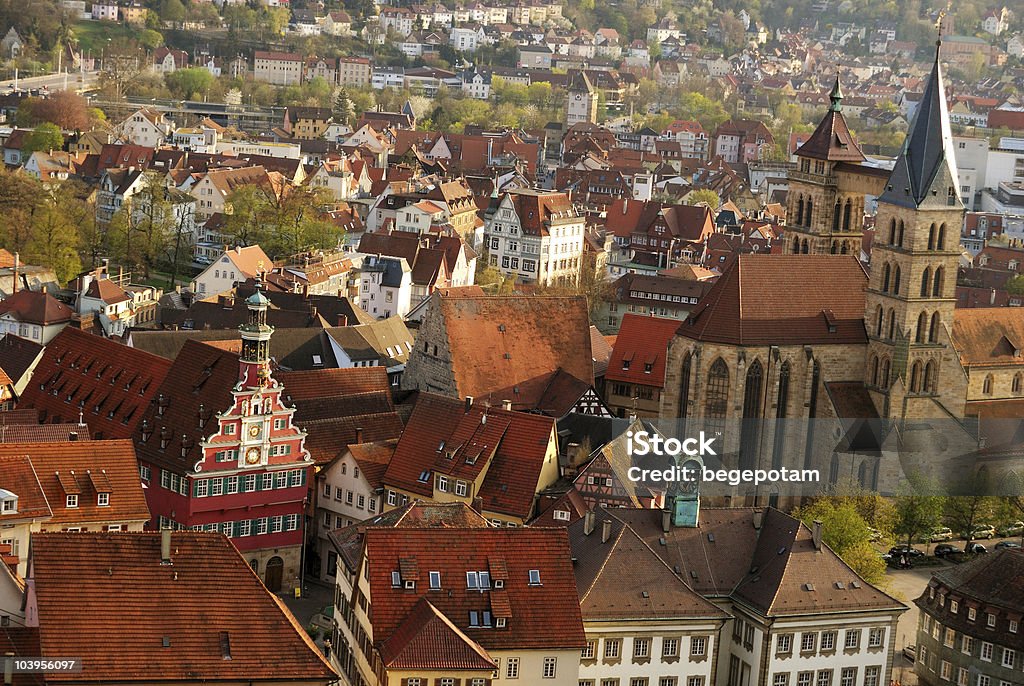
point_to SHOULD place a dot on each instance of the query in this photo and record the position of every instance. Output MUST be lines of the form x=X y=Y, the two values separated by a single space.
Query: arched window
x=845 y=250
x=805 y=248
x=986 y=386
x=752 y=391
x=782 y=400
x=885 y=374
x=892 y=231
x=716 y=401
x=878 y=318
x=1018 y=383
x=930 y=371
x=833 y=250
x=931 y=237
x=886 y=274
x=933 y=330
x=940 y=244
x=926 y=282
x=922 y=327
x=937 y=286
x=915 y=377
x=684 y=387
x=896 y=281
x=899 y=237
x=846 y=215
x=874 y=370
x=892 y=324
x=796 y=246
x=800 y=211
x=810 y=211
x=836 y=216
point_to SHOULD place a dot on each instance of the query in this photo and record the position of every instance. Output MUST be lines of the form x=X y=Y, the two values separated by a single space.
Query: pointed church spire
x=836 y=96
x=925 y=173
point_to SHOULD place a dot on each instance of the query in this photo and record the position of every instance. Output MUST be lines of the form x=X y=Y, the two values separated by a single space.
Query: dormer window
x=103 y=499
x=8 y=502
x=72 y=500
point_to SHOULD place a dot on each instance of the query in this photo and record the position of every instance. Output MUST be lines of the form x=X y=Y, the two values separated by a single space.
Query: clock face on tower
x=254 y=430
x=252 y=455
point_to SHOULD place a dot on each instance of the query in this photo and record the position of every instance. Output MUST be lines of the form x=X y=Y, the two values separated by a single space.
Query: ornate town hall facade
x=811 y=334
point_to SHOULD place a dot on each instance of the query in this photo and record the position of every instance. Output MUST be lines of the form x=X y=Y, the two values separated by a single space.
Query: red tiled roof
x=205 y=605
x=542 y=616
x=373 y=459
x=832 y=140
x=110 y=384
x=86 y=468
x=106 y=290
x=506 y=348
x=18 y=475
x=989 y=336
x=429 y=640
x=783 y=299
x=537 y=209
x=511 y=446
x=641 y=349
x=36 y=307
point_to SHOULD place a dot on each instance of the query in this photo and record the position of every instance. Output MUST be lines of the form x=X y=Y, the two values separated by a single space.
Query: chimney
x=14 y=289
x=165 y=546
x=666 y=520
x=606 y=530
x=506 y=405
x=342 y=320
x=816 y=534
x=359 y=434
x=8 y=669
x=469 y=403
x=588 y=523
x=72 y=435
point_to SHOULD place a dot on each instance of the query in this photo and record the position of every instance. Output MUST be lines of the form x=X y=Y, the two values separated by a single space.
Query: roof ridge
x=604 y=563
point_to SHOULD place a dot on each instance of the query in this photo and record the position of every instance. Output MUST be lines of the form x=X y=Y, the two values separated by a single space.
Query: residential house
x=71 y=485
x=307 y=123
x=278 y=68
x=167 y=60
x=635 y=378
x=235 y=265
x=212 y=189
x=384 y=286
x=337 y=23
x=34 y=315
x=216 y=620
x=354 y=71
x=146 y=127
x=383 y=343
x=741 y=140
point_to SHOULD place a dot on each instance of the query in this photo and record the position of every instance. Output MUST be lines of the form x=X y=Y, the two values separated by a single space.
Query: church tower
x=825 y=214
x=912 y=292
x=581 y=100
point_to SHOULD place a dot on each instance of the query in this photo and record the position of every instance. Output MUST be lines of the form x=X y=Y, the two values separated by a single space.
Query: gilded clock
x=254 y=430
x=252 y=455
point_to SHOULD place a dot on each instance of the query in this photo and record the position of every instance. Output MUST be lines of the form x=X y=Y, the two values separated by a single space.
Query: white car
x=942 y=534
x=1015 y=529
x=984 y=531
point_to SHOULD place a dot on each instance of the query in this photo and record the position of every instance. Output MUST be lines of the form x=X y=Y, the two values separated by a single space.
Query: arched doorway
x=275 y=570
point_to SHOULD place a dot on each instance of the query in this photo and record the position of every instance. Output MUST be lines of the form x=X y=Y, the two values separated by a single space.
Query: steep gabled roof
x=204 y=617
x=832 y=139
x=18 y=475
x=36 y=307
x=428 y=640
x=109 y=384
x=783 y=299
x=641 y=348
x=925 y=173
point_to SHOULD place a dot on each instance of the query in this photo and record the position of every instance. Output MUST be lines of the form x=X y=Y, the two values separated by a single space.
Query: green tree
x=344 y=110
x=1015 y=285
x=45 y=137
x=150 y=39
x=704 y=195
x=189 y=83
x=55 y=237
x=969 y=505
x=172 y=11
x=846 y=532
x=918 y=509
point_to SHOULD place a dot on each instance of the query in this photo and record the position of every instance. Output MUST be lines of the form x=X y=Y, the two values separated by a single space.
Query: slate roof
x=442 y=437
x=545 y=615
x=21 y=641
x=206 y=603
x=387 y=340
x=289 y=348
x=926 y=167
x=36 y=307
x=109 y=384
x=783 y=300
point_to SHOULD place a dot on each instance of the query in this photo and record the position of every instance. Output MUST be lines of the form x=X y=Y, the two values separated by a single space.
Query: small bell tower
x=254 y=363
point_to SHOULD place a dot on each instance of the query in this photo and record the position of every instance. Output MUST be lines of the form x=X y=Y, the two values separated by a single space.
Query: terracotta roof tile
x=111 y=385
x=106 y=290
x=82 y=468
x=17 y=355
x=429 y=640
x=206 y=603
x=989 y=336
x=18 y=475
x=641 y=349
x=546 y=615
x=36 y=307
x=755 y=302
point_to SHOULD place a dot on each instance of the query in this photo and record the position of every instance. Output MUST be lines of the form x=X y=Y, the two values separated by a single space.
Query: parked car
x=942 y=534
x=975 y=549
x=983 y=531
x=1015 y=529
x=910 y=652
x=904 y=549
x=874 y=534
x=1007 y=544
x=944 y=549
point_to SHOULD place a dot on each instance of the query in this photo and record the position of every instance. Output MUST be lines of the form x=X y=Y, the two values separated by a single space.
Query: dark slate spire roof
x=832 y=139
x=925 y=172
